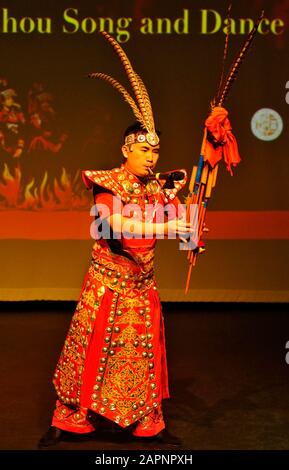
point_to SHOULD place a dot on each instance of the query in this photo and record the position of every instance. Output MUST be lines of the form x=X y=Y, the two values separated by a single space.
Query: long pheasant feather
x=225 y=54
x=128 y=98
x=134 y=80
x=238 y=61
x=146 y=104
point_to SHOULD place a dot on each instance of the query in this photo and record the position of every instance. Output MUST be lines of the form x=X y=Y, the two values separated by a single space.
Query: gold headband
x=140 y=137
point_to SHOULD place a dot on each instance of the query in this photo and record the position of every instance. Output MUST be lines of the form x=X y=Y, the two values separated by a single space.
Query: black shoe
x=165 y=437
x=51 y=437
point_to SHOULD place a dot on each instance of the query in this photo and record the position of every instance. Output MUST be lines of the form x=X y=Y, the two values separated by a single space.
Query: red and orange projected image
x=32 y=143
x=56 y=123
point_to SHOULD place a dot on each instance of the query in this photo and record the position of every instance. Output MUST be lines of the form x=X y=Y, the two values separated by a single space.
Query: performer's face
x=140 y=157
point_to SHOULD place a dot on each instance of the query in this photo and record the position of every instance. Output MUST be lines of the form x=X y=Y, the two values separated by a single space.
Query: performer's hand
x=178 y=228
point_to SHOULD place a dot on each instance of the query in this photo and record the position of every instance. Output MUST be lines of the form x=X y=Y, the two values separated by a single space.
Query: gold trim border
x=167 y=295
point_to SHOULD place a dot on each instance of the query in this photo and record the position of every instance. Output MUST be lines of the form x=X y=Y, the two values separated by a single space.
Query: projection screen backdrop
x=54 y=123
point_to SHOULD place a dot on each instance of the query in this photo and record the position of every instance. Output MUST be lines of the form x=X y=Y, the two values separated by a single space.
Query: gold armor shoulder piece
x=116 y=180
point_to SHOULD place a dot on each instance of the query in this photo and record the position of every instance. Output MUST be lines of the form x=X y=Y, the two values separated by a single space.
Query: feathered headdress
x=141 y=105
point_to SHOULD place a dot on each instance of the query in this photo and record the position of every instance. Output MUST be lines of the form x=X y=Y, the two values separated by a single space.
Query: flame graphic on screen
x=66 y=193
x=10 y=190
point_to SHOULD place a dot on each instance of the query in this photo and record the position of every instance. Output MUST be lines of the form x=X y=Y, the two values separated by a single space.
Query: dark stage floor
x=228 y=375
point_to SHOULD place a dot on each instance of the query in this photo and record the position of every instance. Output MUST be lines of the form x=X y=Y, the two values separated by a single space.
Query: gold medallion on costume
x=152 y=138
x=127 y=186
x=152 y=187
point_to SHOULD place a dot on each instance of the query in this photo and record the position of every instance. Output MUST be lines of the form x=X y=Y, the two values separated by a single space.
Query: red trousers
x=77 y=421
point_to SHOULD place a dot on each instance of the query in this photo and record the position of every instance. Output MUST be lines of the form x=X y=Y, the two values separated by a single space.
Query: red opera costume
x=113 y=361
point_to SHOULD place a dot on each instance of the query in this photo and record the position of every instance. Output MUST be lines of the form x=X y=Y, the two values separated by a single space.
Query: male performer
x=113 y=362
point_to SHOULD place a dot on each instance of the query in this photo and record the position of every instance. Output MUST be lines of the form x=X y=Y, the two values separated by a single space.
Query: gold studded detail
x=129 y=315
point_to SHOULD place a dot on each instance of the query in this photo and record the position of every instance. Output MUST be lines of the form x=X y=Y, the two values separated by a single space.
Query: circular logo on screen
x=266 y=124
